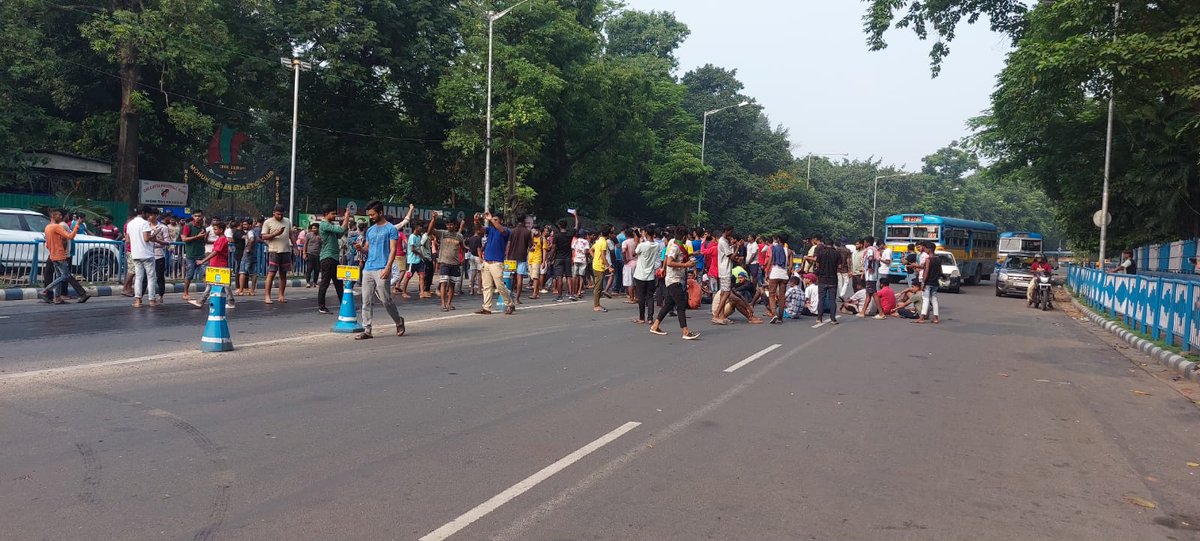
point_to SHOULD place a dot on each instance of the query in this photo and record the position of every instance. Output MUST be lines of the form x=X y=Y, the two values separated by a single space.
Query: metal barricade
x=98 y=262
x=20 y=263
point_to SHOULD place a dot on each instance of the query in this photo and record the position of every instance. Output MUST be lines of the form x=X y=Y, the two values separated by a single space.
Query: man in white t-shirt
x=141 y=250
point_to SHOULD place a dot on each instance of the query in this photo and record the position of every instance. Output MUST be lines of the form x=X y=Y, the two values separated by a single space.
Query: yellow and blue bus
x=972 y=243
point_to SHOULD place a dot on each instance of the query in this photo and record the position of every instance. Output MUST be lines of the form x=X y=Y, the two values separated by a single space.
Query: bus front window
x=899 y=232
x=927 y=232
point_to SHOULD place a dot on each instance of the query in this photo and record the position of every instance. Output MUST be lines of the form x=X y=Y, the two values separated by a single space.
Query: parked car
x=96 y=259
x=951 y=279
x=1014 y=275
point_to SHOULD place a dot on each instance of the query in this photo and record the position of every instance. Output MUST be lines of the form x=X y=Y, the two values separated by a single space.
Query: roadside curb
x=1188 y=369
x=30 y=293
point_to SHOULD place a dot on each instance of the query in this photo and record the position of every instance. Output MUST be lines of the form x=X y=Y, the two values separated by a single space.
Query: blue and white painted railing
x=1162 y=308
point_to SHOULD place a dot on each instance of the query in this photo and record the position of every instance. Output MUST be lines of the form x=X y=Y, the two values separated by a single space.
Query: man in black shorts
x=277 y=233
x=450 y=249
x=560 y=254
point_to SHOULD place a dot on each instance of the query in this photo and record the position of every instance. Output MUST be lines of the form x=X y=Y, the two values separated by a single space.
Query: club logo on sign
x=217 y=275
x=348 y=272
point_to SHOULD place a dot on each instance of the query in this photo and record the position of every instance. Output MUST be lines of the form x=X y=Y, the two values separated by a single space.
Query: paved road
x=559 y=423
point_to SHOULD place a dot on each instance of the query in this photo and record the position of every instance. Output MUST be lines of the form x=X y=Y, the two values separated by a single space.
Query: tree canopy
x=590 y=110
x=1047 y=124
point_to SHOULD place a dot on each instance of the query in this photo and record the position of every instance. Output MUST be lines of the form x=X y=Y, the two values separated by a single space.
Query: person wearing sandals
x=379 y=245
x=925 y=262
x=676 y=265
x=449 y=270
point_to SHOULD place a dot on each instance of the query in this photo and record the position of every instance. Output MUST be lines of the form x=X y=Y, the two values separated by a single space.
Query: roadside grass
x=1192 y=355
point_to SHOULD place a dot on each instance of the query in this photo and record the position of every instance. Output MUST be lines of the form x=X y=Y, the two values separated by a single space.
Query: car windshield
x=36 y=222
x=947 y=258
x=1016 y=263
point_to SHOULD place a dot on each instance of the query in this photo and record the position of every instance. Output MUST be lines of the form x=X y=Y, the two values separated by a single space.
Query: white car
x=951 y=279
x=97 y=259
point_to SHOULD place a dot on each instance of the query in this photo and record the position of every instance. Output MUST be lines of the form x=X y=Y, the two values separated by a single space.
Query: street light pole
x=487 y=137
x=296 y=65
x=875 y=198
x=1108 y=152
x=703 y=141
x=808 y=178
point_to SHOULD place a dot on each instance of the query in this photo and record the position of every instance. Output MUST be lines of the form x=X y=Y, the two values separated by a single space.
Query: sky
x=807 y=64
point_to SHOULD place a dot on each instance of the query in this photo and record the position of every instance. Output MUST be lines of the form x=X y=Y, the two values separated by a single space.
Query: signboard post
x=217 y=275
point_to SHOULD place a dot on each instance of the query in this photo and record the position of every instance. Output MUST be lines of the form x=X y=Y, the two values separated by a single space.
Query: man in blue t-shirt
x=380 y=250
x=493 y=265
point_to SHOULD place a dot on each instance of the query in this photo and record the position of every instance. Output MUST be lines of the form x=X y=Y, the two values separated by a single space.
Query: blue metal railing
x=23 y=264
x=1162 y=308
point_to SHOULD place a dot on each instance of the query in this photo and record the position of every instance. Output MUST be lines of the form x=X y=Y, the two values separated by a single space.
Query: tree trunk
x=127 y=141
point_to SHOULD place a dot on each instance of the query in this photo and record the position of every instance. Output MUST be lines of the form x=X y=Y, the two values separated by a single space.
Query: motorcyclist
x=1038 y=267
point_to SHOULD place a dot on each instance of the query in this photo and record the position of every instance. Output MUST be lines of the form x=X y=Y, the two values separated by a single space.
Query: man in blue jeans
x=57 y=239
x=827 y=260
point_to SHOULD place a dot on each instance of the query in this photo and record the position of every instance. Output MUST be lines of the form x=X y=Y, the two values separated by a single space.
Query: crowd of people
x=664 y=270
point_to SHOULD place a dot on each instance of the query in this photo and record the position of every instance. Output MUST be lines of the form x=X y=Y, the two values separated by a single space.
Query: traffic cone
x=216 y=332
x=347 y=321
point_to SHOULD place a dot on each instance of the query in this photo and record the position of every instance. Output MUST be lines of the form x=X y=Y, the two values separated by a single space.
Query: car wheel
x=998 y=292
x=99 y=266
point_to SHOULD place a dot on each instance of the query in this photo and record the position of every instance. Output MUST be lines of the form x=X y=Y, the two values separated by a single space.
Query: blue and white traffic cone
x=347 y=321
x=216 y=332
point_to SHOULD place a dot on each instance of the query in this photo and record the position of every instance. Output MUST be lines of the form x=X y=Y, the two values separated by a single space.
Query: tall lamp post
x=492 y=17
x=808 y=178
x=875 y=197
x=296 y=65
x=703 y=142
x=1108 y=152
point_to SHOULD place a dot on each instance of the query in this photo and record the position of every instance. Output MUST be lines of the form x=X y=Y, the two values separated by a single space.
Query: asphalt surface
x=560 y=423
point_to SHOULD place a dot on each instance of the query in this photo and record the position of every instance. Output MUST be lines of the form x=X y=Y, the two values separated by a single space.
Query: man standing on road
x=494 y=251
x=193 y=236
x=518 y=250
x=629 y=257
x=312 y=255
x=449 y=269
x=560 y=252
x=380 y=249
x=141 y=247
x=276 y=232
x=330 y=233
x=724 y=276
x=601 y=265
x=826 y=260
x=219 y=259
x=845 y=286
x=57 y=238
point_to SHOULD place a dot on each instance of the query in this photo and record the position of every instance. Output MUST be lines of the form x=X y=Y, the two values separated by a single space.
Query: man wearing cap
x=276 y=232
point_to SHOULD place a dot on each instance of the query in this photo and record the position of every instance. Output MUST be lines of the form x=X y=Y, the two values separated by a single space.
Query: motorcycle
x=1043 y=297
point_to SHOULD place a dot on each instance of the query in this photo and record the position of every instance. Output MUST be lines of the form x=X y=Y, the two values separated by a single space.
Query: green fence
x=118 y=211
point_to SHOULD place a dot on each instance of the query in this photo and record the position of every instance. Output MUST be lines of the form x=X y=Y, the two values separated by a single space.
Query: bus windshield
x=899 y=232
x=917 y=232
x=1018 y=244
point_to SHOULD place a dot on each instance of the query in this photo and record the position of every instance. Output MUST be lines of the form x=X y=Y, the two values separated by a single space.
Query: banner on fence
x=420 y=213
x=164 y=193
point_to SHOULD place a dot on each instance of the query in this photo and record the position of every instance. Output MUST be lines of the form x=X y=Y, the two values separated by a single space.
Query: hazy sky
x=806 y=62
